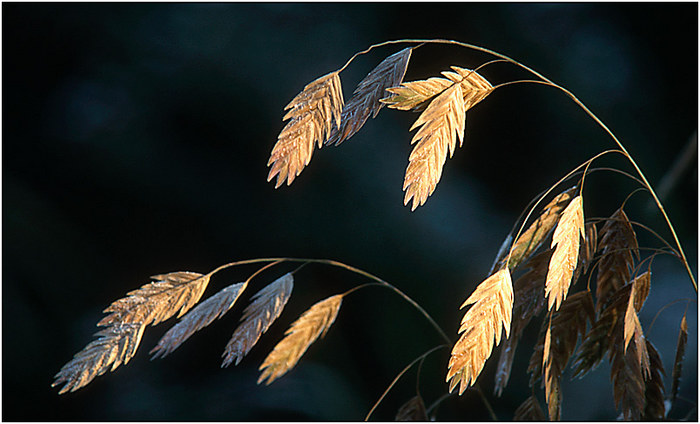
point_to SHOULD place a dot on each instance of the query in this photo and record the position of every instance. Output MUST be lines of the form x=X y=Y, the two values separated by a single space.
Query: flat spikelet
x=559 y=344
x=481 y=326
x=527 y=303
x=365 y=98
x=115 y=346
x=678 y=361
x=531 y=239
x=529 y=410
x=173 y=293
x=416 y=95
x=626 y=372
x=628 y=381
x=565 y=242
x=312 y=114
x=440 y=124
x=600 y=338
x=632 y=327
x=311 y=325
x=265 y=308
x=617 y=244
x=153 y=303
x=590 y=245
x=201 y=316
x=655 y=409
x=413 y=410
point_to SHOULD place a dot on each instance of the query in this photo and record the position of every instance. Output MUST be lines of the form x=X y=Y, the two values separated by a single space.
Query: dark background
x=135 y=139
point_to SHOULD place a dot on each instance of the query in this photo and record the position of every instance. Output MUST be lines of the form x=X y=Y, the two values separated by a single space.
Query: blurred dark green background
x=135 y=139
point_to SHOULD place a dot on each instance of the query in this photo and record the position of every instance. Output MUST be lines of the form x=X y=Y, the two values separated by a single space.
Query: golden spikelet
x=444 y=102
x=265 y=307
x=554 y=399
x=565 y=242
x=173 y=293
x=527 y=303
x=153 y=303
x=617 y=244
x=311 y=325
x=632 y=327
x=529 y=410
x=481 y=326
x=531 y=239
x=416 y=95
x=365 y=98
x=312 y=115
x=440 y=124
x=201 y=316
x=115 y=346
x=413 y=410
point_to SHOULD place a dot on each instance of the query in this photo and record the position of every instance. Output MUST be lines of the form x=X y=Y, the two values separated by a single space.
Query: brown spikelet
x=312 y=114
x=556 y=346
x=641 y=286
x=590 y=244
x=598 y=340
x=365 y=98
x=626 y=372
x=678 y=361
x=201 y=316
x=413 y=410
x=565 y=242
x=529 y=410
x=532 y=238
x=416 y=95
x=440 y=124
x=481 y=326
x=173 y=293
x=566 y=326
x=617 y=243
x=655 y=409
x=527 y=303
x=115 y=346
x=627 y=379
x=311 y=325
x=265 y=308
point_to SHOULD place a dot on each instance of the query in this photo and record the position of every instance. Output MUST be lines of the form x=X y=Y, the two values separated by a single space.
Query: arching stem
x=593 y=116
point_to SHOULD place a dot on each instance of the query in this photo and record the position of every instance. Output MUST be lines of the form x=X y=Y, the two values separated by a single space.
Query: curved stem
x=349 y=268
x=593 y=116
x=629 y=158
x=564 y=178
x=403 y=371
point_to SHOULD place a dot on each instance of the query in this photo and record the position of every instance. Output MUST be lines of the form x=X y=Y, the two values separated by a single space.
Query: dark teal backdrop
x=135 y=139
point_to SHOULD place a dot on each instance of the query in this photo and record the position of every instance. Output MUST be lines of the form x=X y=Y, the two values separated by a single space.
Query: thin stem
x=685 y=299
x=564 y=178
x=492 y=413
x=593 y=116
x=361 y=286
x=437 y=403
x=396 y=379
x=256 y=273
x=349 y=268
x=634 y=164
